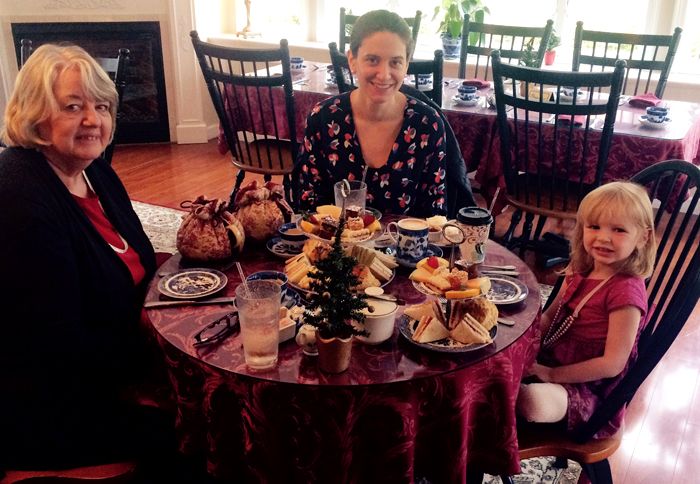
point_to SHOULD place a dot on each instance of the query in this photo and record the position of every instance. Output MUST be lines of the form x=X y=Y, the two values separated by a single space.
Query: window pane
x=276 y=20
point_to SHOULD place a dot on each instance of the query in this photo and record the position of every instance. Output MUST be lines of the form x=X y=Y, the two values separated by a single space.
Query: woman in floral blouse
x=399 y=139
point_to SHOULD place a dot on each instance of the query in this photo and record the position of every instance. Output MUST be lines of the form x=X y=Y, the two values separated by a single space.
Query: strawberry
x=433 y=262
x=368 y=219
x=314 y=219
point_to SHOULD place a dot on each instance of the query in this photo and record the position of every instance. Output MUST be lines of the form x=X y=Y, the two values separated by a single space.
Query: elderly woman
x=75 y=263
x=398 y=139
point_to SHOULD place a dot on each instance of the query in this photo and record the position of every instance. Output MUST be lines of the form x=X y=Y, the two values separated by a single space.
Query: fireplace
x=144 y=107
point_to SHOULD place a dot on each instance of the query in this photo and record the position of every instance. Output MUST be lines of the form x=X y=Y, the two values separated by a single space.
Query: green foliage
x=554 y=41
x=453 y=12
x=332 y=306
x=528 y=58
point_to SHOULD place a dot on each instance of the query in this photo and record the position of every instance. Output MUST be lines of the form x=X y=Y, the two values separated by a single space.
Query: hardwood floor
x=662 y=436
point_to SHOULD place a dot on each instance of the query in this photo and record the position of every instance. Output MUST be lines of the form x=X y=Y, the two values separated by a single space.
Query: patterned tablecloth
x=398 y=414
x=634 y=146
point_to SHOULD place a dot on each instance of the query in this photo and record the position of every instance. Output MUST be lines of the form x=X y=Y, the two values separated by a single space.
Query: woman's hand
x=543 y=373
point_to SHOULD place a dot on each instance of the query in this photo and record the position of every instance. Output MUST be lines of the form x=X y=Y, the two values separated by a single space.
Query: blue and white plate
x=651 y=124
x=446 y=345
x=283 y=248
x=506 y=290
x=432 y=250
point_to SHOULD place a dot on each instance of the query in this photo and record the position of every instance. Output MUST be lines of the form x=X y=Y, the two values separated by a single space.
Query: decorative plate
x=462 y=102
x=506 y=290
x=283 y=248
x=432 y=250
x=370 y=236
x=192 y=283
x=446 y=345
x=651 y=124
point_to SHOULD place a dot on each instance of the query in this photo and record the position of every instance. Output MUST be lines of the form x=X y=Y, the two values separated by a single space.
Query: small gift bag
x=209 y=232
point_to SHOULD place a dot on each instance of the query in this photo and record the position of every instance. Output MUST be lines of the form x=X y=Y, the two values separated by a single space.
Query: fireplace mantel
x=183 y=82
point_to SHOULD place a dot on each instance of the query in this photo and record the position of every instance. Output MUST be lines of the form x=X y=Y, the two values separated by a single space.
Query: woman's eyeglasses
x=217 y=330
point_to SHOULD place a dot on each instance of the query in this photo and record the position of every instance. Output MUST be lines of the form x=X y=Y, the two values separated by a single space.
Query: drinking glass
x=258 y=305
x=356 y=198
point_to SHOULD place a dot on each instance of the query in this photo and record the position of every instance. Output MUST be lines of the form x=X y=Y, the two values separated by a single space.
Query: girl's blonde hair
x=621 y=200
x=33 y=99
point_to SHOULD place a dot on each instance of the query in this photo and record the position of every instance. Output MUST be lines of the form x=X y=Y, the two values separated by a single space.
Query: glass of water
x=356 y=196
x=258 y=305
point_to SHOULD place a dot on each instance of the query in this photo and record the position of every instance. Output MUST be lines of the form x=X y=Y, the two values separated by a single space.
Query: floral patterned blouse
x=411 y=182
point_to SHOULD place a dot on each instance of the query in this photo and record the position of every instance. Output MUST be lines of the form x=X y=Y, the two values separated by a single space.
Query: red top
x=92 y=208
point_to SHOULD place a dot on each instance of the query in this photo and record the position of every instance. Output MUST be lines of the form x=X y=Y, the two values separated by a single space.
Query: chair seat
x=278 y=153
x=557 y=202
x=535 y=440
x=119 y=472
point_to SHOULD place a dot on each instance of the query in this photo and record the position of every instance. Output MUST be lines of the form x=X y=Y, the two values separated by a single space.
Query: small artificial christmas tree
x=332 y=306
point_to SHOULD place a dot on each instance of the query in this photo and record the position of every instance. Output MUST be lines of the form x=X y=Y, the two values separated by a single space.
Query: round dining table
x=400 y=413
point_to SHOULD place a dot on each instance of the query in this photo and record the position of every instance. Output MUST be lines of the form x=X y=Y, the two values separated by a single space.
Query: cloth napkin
x=644 y=100
x=477 y=83
x=578 y=120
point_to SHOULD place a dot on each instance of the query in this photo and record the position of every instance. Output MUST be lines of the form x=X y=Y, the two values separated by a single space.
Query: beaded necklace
x=118 y=250
x=559 y=327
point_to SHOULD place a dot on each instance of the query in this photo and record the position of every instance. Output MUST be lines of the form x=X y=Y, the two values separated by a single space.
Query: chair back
x=544 y=152
x=346 y=81
x=348 y=20
x=255 y=106
x=480 y=40
x=115 y=67
x=647 y=56
x=674 y=287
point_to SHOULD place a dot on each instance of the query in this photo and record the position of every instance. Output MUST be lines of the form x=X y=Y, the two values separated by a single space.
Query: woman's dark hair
x=380 y=21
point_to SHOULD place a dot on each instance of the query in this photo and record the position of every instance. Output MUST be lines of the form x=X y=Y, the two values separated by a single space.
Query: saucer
x=461 y=102
x=284 y=248
x=651 y=124
x=432 y=250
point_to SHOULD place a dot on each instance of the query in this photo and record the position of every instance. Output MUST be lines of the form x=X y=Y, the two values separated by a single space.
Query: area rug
x=161 y=224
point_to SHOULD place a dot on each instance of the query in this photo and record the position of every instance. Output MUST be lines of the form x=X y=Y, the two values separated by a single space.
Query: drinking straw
x=364 y=173
x=493 y=200
x=243 y=279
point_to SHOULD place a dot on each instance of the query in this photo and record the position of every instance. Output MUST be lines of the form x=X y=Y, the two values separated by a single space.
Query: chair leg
x=527 y=231
x=514 y=221
x=598 y=472
x=541 y=220
x=236 y=187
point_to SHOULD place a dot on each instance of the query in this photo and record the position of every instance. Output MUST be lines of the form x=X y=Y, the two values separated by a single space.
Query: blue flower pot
x=450 y=45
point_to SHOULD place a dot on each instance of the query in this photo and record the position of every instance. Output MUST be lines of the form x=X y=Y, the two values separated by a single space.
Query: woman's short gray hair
x=33 y=99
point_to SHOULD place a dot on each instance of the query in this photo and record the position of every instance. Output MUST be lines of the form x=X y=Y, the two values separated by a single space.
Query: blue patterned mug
x=411 y=238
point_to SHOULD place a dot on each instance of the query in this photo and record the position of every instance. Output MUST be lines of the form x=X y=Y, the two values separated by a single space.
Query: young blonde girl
x=584 y=355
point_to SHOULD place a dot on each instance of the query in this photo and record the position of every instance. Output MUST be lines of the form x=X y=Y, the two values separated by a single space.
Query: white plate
x=283 y=248
x=446 y=345
x=650 y=124
x=461 y=102
x=192 y=283
x=506 y=290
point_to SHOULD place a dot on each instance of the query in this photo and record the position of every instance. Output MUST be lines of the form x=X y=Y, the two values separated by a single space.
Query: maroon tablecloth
x=398 y=413
x=634 y=146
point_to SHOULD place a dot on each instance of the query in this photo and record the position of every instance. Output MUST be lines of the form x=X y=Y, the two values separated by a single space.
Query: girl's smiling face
x=611 y=240
x=380 y=65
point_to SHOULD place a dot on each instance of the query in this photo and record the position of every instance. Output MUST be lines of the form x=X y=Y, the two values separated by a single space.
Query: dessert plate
x=432 y=250
x=650 y=124
x=506 y=290
x=446 y=345
x=283 y=248
x=192 y=283
x=462 y=102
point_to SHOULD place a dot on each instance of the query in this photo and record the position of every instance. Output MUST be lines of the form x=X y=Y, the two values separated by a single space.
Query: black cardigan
x=70 y=308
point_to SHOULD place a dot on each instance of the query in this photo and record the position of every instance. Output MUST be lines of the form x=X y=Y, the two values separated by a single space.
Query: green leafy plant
x=332 y=306
x=554 y=40
x=453 y=12
x=528 y=58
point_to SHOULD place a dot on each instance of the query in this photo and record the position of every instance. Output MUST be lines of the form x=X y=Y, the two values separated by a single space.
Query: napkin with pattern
x=644 y=100
x=579 y=120
x=477 y=83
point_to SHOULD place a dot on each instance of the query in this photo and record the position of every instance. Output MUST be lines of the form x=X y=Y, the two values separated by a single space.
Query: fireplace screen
x=144 y=107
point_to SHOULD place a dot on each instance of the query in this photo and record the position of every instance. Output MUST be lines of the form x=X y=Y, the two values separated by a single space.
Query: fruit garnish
x=433 y=262
x=368 y=219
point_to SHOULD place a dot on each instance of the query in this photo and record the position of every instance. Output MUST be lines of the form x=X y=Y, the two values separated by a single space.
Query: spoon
x=502 y=268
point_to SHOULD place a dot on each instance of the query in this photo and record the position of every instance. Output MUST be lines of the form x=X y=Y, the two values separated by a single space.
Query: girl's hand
x=544 y=373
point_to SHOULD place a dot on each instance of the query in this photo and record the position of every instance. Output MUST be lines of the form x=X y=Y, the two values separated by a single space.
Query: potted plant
x=332 y=307
x=553 y=42
x=528 y=58
x=450 y=28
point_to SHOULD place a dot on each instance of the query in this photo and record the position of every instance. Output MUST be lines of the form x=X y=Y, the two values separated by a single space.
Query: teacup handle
x=391 y=235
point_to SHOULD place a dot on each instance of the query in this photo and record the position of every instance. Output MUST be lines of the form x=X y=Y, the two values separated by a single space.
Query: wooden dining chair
x=554 y=149
x=347 y=21
x=649 y=57
x=255 y=106
x=480 y=40
x=116 y=69
x=673 y=291
x=346 y=81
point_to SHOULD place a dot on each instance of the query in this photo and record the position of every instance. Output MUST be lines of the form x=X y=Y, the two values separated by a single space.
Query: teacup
x=425 y=82
x=467 y=93
x=296 y=63
x=657 y=114
x=279 y=277
x=330 y=75
x=411 y=238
